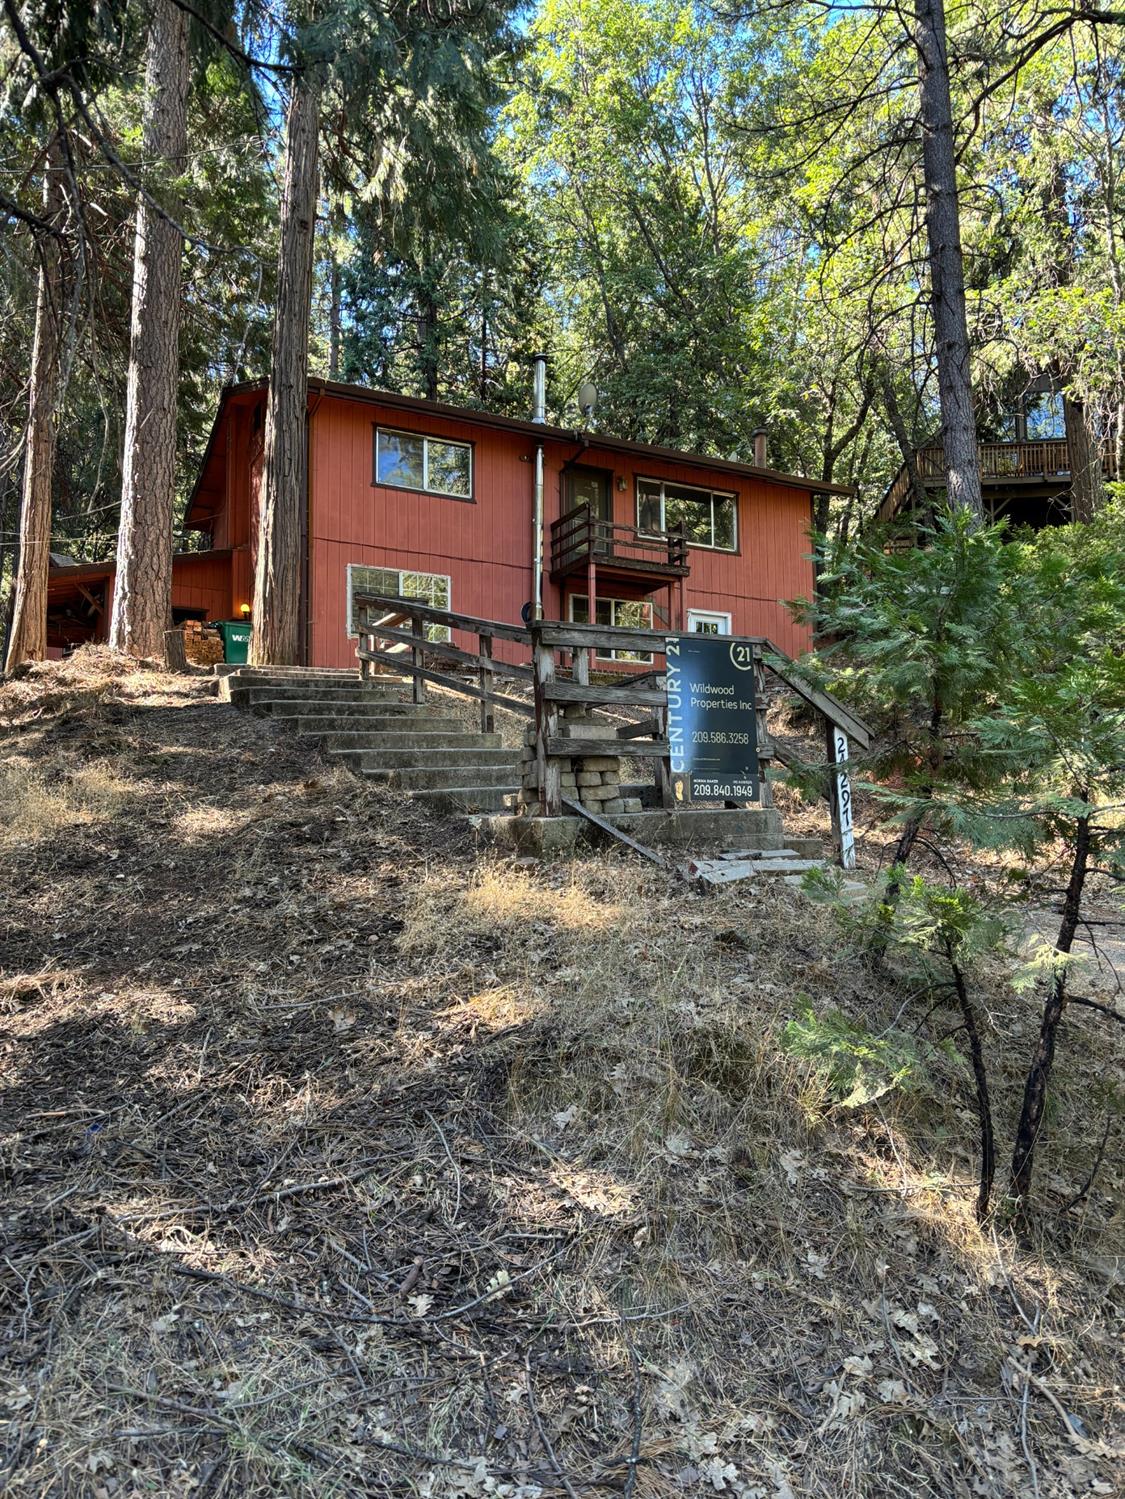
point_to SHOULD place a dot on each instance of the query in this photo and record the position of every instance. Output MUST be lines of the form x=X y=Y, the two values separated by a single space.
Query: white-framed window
x=429 y=588
x=708 y=622
x=626 y=614
x=709 y=516
x=433 y=465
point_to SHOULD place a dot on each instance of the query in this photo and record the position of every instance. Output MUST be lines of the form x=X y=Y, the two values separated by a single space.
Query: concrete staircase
x=376 y=730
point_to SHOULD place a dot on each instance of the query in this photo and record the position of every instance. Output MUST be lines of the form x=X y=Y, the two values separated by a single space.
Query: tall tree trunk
x=142 y=592
x=1039 y=1076
x=334 y=316
x=947 y=270
x=428 y=333
x=27 y=635
x=1087 y=482
x=276 y=636
x=920 y=500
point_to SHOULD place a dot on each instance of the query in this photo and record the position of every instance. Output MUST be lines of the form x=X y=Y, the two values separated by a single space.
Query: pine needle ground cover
x=343 y=1156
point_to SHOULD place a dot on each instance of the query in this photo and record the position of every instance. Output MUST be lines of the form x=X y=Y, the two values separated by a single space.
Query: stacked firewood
x=202 y=646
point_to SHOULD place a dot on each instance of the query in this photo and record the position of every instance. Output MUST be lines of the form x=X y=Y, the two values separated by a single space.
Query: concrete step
x=291 y=673
x=254 y=693
x=361 y=757
x=441 y=777
x=313 y=703
x=255 y=676
x=468 y=798
x=360 y=713
x=726 y=870
x=368 y=733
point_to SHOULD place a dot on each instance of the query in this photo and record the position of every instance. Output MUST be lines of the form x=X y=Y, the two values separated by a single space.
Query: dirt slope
x=342 y=1157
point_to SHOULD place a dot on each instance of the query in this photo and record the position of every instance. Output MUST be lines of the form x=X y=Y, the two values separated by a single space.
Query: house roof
x=86 y=572
x=541 y=431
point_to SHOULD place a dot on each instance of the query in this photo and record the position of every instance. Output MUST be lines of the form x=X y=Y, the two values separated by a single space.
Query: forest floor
x=342 y=1155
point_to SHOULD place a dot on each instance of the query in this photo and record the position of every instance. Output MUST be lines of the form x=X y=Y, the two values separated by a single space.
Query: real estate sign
x=712 y=722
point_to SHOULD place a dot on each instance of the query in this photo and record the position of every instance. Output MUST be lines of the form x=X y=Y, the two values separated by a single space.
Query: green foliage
x=712 y=213
x=435 y=259
x=948 y=922
x=857 y=1067
x=674 y=281
x=994 y=670
x=229 y=207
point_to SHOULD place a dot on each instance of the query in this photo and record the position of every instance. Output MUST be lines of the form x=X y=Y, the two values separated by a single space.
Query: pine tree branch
x=32 y=220
x=248 y=62
x=1093 y=1004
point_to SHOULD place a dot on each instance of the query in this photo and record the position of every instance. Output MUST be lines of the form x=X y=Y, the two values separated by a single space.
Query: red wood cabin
x=411 y=496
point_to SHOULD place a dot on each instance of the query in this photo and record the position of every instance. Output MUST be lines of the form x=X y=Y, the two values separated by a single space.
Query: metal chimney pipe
x=538 y=414
x=760 y=439
x=539 y=388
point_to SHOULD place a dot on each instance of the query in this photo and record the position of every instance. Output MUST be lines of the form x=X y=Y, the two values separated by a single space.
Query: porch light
x=244 y=610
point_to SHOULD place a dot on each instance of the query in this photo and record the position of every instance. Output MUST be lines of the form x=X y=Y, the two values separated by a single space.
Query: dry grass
x=36 y=804
x=344 y=1157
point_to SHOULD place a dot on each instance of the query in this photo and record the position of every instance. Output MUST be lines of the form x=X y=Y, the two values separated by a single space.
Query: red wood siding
x=485 y=547
x=204 y=582
x=199 y=581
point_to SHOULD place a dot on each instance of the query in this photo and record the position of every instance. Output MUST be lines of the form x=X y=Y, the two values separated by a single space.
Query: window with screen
x=434 y=465
x=708 y=516
x=430 y=588
x=625 y=614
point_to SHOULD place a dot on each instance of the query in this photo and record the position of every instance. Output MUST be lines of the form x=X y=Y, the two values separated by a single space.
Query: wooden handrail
x=551 y=690
x=431 y=615
x=580 y=532
x=1031 y=458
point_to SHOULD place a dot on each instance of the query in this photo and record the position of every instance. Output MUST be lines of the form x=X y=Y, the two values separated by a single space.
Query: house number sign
x=842 y=798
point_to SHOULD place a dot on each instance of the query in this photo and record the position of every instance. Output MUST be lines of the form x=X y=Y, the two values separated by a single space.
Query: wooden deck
x=580 y=537
x=1015 y=466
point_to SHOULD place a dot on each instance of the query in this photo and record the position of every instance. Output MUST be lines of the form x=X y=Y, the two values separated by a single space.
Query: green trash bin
x=236 y=639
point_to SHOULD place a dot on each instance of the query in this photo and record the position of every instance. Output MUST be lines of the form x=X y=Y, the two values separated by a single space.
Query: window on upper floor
x=1045 y=420
x=709 y=516
x=432 y=465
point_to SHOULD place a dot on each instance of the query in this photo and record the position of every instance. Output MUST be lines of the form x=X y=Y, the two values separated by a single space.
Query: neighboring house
x=435 y=502
x=1027 y=468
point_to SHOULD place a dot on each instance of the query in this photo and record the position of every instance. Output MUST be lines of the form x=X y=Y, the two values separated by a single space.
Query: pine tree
x=143 y=584
x=27 y=638
x=276 y=633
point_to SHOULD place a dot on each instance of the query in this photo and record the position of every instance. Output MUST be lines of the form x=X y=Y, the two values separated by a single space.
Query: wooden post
x=580 y=667
x=418 y=631
x=366 y=642
x=765 y=748
x=591 y=584
x=662 y=767
x=549 y=771
x=487 y=717
x=840 y=795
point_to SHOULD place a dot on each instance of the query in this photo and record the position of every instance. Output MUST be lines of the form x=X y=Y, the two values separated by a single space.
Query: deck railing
x=393 y=633
x=1044 y=458
x=582 y=533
